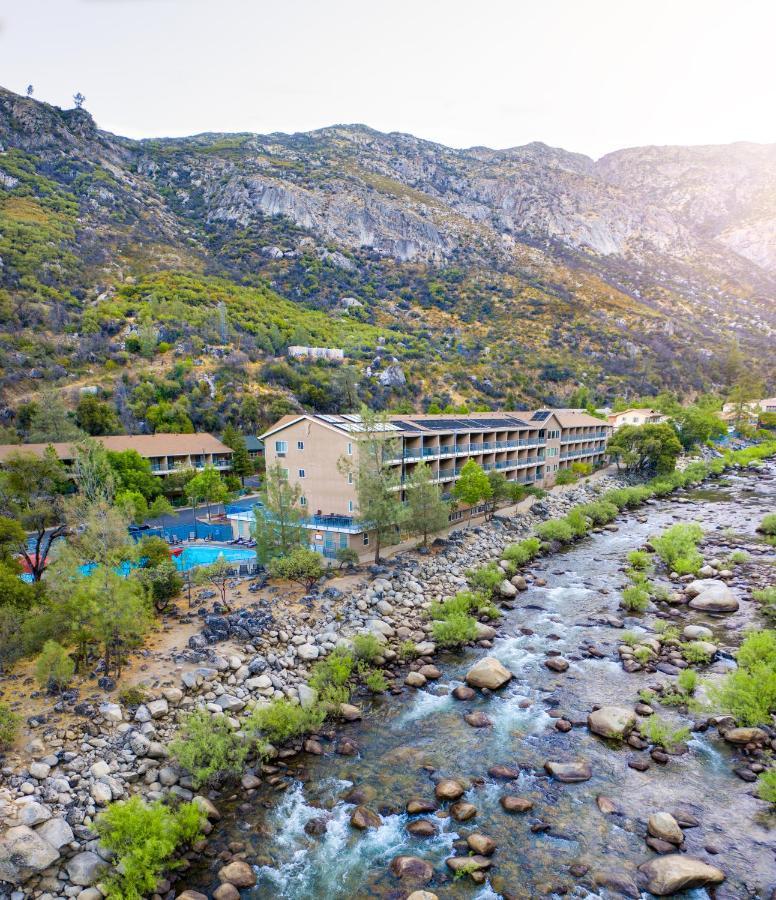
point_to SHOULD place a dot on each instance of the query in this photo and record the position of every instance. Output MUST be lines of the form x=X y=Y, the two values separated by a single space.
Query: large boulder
x=85 y=868
x=412 y=868
x=488 y=673
x=612 y=722
x=449 y=789
x=569 y=772
x=675 y=872
x=56 y=832
x=710 y=595
x=238 y=873
x=663 y=825
x=363 y=818
x=23 y=853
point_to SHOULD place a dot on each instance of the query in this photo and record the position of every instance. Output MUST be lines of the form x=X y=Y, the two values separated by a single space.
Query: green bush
x=696 y=654
x=302 y=565
x=687 y=680
x=555 y=530
x=330 y=676
x=768 y=524
x=408 y=650
x=658 y=732
x=677 y=547
x=281 y=720
x=132 y=696
x=643 y=654
x=346 y=556
x=376 y=682
x=145 y=838
x=54 y=669
x=738 y=558
x=566 y=476
x=635 y=599
x=208 y=749
x=524 y=552
x=9 y=726
x=458 y=628
x=766 y=597
x=766 y=786
x=640 y=559
x=647 y=696
x=749 y=693
x=629 y=638
x=600 y=512
x=486 y=579
x=578 y=522
x=367 y=647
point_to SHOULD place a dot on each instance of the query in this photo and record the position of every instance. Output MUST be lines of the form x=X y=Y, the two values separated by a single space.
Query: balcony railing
x=574 y=438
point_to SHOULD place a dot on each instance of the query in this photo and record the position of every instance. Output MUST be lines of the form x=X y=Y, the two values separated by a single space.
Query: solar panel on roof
x=406 y=426
x=540 y=416
x=333 y=420
x=351 y=417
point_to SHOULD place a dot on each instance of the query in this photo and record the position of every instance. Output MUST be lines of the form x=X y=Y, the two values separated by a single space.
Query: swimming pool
x=197 y=555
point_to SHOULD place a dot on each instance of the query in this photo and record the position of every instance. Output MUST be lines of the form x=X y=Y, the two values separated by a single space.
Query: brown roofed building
x=166 y=452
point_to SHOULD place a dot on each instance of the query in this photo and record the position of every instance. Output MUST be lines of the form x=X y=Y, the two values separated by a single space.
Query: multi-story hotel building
x=528 y=447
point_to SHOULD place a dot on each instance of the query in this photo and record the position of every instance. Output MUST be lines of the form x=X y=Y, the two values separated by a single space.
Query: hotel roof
x=147 y=445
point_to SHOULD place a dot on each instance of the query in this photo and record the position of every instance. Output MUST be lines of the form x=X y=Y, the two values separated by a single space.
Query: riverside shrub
x=367 y=647
x=145 y=837
x=555 y=530
x=677 y=547
x=208 y=748
x=524 y=552
x=330 y=677
x=635 y=598
x=766 y=786
x=599 y=512
x=658 y=732
x=486 y=579
x=578 y=522
x=749 y=693
x=9 y=726
x=456 y=629
x=54 y=668
x=281 y=720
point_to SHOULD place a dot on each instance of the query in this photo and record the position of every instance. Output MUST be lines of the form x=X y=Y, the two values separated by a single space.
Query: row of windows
x=282 y=447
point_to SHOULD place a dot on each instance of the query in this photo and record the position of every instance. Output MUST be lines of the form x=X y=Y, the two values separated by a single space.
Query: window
x=301 y=473
x=350 y=478
x=300 y=445
x=303 y=501
x=350 y=506
x=350 y=449
x=366 y=540
x=281 y=446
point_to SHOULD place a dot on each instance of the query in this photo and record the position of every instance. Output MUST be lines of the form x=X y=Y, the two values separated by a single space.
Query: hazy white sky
x=587 y=75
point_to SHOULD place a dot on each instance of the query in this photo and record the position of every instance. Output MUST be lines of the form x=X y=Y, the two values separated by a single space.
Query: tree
x=250 y=414
x=218 y=574
x=30 y=90
x=380 y=509
x=12 y=537
x=302 y=565
x=645 y=448
x=79 y=100
x=697 y=425
x=133 y=473
x=93 y=473
x=242 y=464
x=96 y=417
x=208 y=486
x=427 y=512
x=501 y=490
x=746 y=389
x=50 y=422
x=473 y=486
x=31 y=489
x=277 y=526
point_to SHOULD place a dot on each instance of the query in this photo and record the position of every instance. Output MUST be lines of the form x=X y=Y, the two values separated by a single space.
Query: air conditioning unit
x=281 y=455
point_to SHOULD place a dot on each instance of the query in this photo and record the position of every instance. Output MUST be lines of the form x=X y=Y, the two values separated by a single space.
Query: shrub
x=566 y=476
x=640 y=559
x=687 y=680
x=54 y=669
x=555 y=530
x=629 y=638
x=302 y=565
x=367 y=647
x=660 y=592
x=408 y=650
x=346 y=556
x=9 y=726
x=132 y=696
x=330 y=677
x=486 y=578
x=376 y=682
x=600 y=512
x=738 y=558
x=581 y=468
x=208 y=748
x=677 y=547
x=578 y=522
x=658 y=732
x=696 y=654
x=749 y=693
x=766 y=597
x=768 y=524
x=524 y=552
x=145 y=837
x=766 y=786
x=647 y=696
x=454 y=630
x=281 y=720
x=643 y=654
x=635 y=599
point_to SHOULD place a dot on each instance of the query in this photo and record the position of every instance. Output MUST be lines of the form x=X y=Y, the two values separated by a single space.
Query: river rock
x=23 y=853
x=416 y=805
x=56 y=832
x=676 y=872
x=513 y=804
x=422 y=828
x=85 y=868
x=697 y=633
x=238 y=873
x=741 y=736
x=606 y=805
x=569 y=772
x=499 y=771
x=226 y=891
x=619 y=882
x=507 y=589
x=415 y=679
x=664 y=826
x=488 y=673
x=468 y=863
x=349 y=712
x=710 y=595
x=413 y=868
x=612 y=721
x=463 y=811
x=477 y=719
x=462 y=692
x=481 y=843
x=429 y=672
x=556 y=664
x=449 y=789
x=422 y=895
x=363 y=817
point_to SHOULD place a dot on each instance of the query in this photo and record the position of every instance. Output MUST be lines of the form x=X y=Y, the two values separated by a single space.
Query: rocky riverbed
x=533 y=824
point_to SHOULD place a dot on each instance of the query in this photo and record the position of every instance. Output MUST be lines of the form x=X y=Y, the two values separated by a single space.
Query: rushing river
x=403 y=739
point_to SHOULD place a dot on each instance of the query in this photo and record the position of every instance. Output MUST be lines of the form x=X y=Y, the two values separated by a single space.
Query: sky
x=588 y=75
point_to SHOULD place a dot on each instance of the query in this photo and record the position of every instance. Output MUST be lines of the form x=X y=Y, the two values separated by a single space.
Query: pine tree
x=278 y=525
x=242 y=465
x=427 y=512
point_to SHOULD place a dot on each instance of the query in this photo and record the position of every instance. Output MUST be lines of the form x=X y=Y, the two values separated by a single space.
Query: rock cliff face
x=686 y=234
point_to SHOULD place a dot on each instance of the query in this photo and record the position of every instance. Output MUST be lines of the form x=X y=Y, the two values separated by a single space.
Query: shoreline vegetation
x=212 y=753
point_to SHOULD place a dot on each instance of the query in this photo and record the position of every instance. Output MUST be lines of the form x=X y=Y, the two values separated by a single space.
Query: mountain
x=480 y=276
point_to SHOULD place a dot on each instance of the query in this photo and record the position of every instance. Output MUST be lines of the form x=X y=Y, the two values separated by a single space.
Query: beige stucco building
x=636 y=417
x=528 y=447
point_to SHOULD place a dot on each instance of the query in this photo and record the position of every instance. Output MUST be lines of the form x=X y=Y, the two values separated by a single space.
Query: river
x=404 y=739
